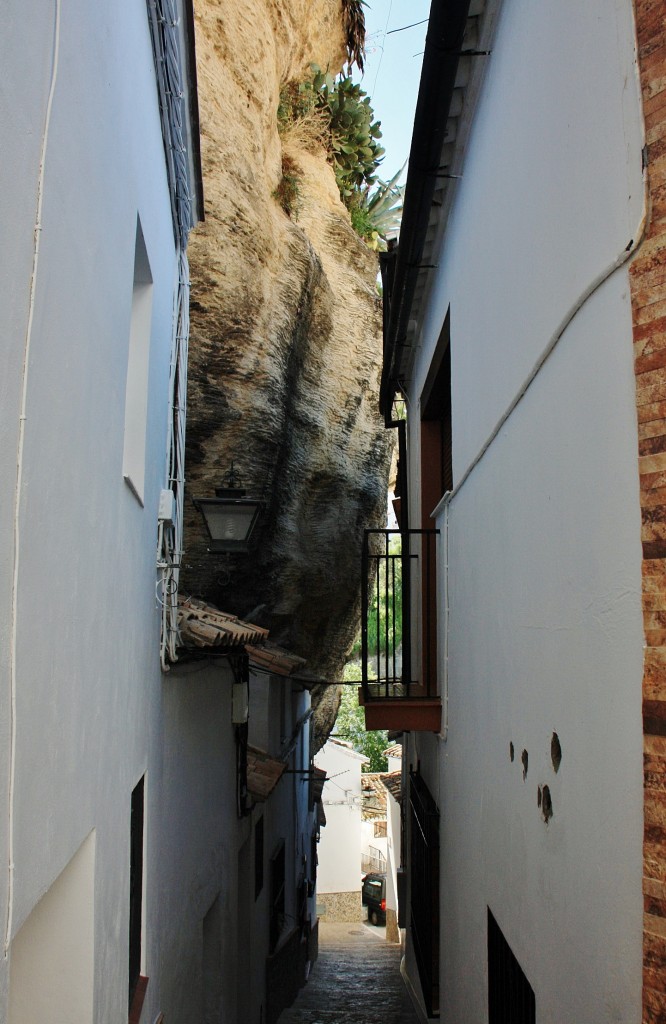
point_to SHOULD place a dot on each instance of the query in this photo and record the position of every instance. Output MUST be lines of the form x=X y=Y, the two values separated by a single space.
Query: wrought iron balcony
x=399 y=630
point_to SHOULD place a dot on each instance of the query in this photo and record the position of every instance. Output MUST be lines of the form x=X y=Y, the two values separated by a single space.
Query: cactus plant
x=355 y=134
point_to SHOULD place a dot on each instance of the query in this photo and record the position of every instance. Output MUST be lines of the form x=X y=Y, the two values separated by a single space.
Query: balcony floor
x=407 y=714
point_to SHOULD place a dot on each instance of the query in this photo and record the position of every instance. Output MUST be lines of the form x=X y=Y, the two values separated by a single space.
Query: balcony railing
x=399 y=580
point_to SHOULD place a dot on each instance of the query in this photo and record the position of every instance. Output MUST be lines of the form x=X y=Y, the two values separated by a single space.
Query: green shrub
x=296 y=102
x=350 y=726
x=288 y=191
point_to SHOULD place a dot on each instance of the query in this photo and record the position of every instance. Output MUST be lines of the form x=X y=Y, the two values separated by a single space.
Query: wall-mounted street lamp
x=230 y=516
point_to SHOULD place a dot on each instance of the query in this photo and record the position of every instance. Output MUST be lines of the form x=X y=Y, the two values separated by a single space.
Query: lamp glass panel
x=230 y=522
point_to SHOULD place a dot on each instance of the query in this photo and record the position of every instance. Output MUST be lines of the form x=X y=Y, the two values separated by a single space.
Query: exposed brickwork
x=648 y=295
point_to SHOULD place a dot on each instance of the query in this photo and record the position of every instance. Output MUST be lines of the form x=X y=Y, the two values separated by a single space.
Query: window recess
x=136 y=390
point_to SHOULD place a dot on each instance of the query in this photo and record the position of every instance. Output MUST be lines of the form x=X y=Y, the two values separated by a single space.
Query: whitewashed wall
x=370 y=843
x=81 y=685
x=393 y=851
x=340 y=843
x=544 y=549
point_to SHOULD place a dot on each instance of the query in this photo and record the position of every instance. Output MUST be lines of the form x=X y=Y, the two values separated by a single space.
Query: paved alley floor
x=356 y=980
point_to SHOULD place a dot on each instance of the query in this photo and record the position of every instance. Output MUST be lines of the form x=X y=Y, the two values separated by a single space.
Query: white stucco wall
x=552 y=194
x=84 y=708
x=369 y=841
x=340 y=844
x=545 y=626
x=393 y=851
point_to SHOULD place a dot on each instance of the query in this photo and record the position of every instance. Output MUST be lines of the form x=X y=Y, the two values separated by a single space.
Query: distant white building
x=339 y=871
x=373 y=823
x=392 y=784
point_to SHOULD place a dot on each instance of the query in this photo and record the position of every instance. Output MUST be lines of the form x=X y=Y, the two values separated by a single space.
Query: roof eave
x=444 y=41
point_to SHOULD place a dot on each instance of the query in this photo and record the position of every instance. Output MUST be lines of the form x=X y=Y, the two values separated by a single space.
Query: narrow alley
x=356 y=979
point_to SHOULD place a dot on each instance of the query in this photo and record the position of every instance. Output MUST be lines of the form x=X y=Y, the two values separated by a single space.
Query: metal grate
x=424 y=869
x=510 y=995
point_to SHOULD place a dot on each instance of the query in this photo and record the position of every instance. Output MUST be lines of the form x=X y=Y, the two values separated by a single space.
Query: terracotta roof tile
x=203 y=625
x=318 y=780
x=392 y=781
x=274 y=659
x=374 y=795
x=263 y=773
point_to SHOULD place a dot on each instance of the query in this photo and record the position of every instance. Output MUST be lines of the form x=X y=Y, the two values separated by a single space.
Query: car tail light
x=384 y=905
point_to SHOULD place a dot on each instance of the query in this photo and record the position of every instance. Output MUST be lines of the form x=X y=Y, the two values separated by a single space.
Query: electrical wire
x=404 y=28
x=597 y=282
x=164 y=35
x=19 y=474
x=388 y=18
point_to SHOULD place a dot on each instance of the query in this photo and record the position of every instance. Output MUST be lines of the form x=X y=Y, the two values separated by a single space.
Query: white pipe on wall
x=444 y=504
x=19 y=477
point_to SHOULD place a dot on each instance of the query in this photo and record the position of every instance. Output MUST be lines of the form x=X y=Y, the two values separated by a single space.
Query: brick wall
x=648 y=293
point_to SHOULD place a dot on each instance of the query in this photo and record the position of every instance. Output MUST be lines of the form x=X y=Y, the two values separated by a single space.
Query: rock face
x=285 y=344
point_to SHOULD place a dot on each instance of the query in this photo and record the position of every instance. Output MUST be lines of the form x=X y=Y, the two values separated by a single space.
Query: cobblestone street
x=356 y=980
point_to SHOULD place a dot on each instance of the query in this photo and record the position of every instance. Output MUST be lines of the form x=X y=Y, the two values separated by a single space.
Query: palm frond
x=354 y=27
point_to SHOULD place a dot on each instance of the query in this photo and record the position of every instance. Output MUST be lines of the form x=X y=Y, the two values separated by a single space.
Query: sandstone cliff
x=285 y=344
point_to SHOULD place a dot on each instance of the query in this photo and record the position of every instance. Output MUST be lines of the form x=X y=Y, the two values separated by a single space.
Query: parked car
x=373 y=894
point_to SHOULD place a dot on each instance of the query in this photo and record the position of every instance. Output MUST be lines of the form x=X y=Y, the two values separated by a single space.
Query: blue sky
x=392 y=72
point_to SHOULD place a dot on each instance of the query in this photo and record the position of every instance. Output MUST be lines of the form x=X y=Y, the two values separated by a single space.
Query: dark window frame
x=137 y=816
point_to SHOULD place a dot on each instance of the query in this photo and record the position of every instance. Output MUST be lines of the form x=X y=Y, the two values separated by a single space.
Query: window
x=380 y=829
x=136 y=391
x=510 y=995
x=136 y=893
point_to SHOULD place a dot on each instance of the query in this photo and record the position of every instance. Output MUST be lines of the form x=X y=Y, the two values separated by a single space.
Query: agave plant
x=376 y=213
